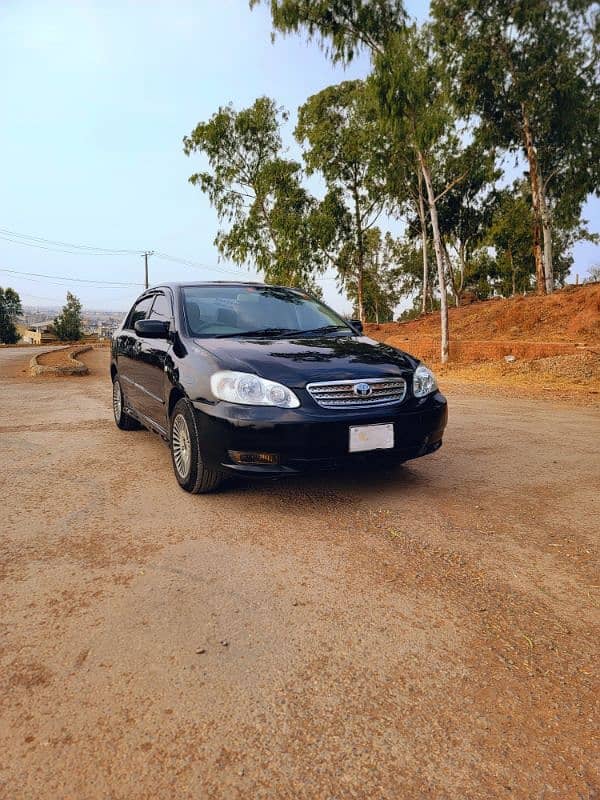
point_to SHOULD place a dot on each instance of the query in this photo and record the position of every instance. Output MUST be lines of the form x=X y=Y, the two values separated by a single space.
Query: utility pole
x=146 y=254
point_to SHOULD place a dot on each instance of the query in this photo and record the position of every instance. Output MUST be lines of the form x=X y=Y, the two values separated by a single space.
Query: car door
x=128 y=352
x=151 y=365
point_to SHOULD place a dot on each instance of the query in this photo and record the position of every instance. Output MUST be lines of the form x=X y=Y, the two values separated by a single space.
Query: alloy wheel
x=117 y=400
x=181 y=445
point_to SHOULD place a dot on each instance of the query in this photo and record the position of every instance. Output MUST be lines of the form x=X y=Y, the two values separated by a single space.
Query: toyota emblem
x=362 y=390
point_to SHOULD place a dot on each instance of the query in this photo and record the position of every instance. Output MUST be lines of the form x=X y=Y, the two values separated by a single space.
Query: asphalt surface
x=426 y=632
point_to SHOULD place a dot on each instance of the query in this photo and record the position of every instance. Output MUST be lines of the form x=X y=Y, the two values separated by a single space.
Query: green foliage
x=10 y=308
x=381 y=284
x=414 y=99
x=504 y=263
x=525 y=72
x=415 y=311
x=344 y=141
x=406 y=256
x=68 y=325
x=341 y=26
x=530 y=70
x=509 y=234
x=273 y=222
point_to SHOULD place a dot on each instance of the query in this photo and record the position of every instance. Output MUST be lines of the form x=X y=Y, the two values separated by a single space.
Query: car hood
x=296 y=362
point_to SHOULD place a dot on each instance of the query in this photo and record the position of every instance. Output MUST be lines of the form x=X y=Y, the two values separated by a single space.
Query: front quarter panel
x=192 y=372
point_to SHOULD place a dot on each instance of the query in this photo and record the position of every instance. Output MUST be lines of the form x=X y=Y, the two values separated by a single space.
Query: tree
x=465 y=208
x=10 y=308
x=509 y=235
x=343 y=141
x=381 y=275
x=341 y=26
x=593 y=275
x=410 y=86
x=419 y=112
x=68 y=325
x=529 y=69
x=406 y=255
x=273 y=222
x=504 y=263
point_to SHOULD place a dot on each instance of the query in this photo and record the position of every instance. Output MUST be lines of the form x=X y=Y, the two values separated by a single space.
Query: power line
x=39 y=241
x=57 y=249
x=56 y=246
x=112 y=284
x=195 y=264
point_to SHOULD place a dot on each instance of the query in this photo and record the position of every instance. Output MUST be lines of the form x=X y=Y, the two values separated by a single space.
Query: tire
x=191 y=472
x=122 y=419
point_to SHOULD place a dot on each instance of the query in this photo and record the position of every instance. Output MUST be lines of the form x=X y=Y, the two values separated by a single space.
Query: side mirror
x=152 y=328
x=356 y=323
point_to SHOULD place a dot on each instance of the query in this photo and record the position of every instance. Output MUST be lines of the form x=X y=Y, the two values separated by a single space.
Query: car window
x=161 y=308
x=227 y=310
x=139 y=311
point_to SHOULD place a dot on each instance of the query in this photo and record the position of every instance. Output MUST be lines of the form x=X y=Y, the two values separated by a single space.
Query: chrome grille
x=343 y=394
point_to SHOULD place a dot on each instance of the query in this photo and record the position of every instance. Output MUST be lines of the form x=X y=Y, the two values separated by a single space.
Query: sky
x=96 y=96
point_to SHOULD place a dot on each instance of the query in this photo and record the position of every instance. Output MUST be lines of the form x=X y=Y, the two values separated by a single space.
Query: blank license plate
x=371 y=437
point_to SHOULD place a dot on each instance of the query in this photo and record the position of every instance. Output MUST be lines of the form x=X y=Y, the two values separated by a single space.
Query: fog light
x=241 y=457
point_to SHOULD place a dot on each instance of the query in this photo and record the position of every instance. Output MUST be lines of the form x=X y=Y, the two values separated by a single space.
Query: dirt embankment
x=569 y=316
x=546 y=345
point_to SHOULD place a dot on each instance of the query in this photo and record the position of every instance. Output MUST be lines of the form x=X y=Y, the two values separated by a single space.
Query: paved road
x=427 y=632
x=14 y=360
x=9 y=355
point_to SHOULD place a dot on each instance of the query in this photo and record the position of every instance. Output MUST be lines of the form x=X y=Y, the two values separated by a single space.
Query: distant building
x=105 y=330
x=37 y=333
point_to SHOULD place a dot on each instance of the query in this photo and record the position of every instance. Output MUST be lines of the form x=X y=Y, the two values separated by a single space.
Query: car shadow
x=356 y=481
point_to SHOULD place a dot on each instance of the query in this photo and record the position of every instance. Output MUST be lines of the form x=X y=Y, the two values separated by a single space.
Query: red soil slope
x=569 y=315
x=555 y=341
x=527 y=327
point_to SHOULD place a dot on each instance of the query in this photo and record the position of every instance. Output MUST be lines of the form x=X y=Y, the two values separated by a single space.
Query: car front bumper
x=307 y=439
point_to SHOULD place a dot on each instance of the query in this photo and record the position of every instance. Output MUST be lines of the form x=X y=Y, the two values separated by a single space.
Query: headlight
x=250 y=390
x=424 y=381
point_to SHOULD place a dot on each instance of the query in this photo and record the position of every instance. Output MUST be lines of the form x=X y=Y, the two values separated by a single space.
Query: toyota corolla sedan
x=266 y=381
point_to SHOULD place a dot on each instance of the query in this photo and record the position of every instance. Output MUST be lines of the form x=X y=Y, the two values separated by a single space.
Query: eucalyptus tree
x=343 y=140
x=509 y=234
x=267 y=217
x=405 y=255
x=381 y=291
x=465 y=208
x=410 y=85
x=420 y=113
x=530 y=70
x=341 y=27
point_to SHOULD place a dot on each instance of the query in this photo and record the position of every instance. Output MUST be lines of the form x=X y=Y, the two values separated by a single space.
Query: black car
x=265 y=380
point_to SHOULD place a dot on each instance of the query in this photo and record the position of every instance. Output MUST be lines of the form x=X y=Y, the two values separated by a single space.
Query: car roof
x=179 y=284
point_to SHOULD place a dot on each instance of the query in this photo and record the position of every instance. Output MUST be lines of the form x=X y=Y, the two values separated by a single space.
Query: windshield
x=213 y=311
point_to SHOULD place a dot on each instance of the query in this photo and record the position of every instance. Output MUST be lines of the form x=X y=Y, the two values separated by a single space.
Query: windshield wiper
x=326 y=329
x=259 y=332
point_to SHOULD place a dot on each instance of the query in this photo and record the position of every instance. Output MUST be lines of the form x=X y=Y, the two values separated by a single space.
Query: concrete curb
x=74 y=367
